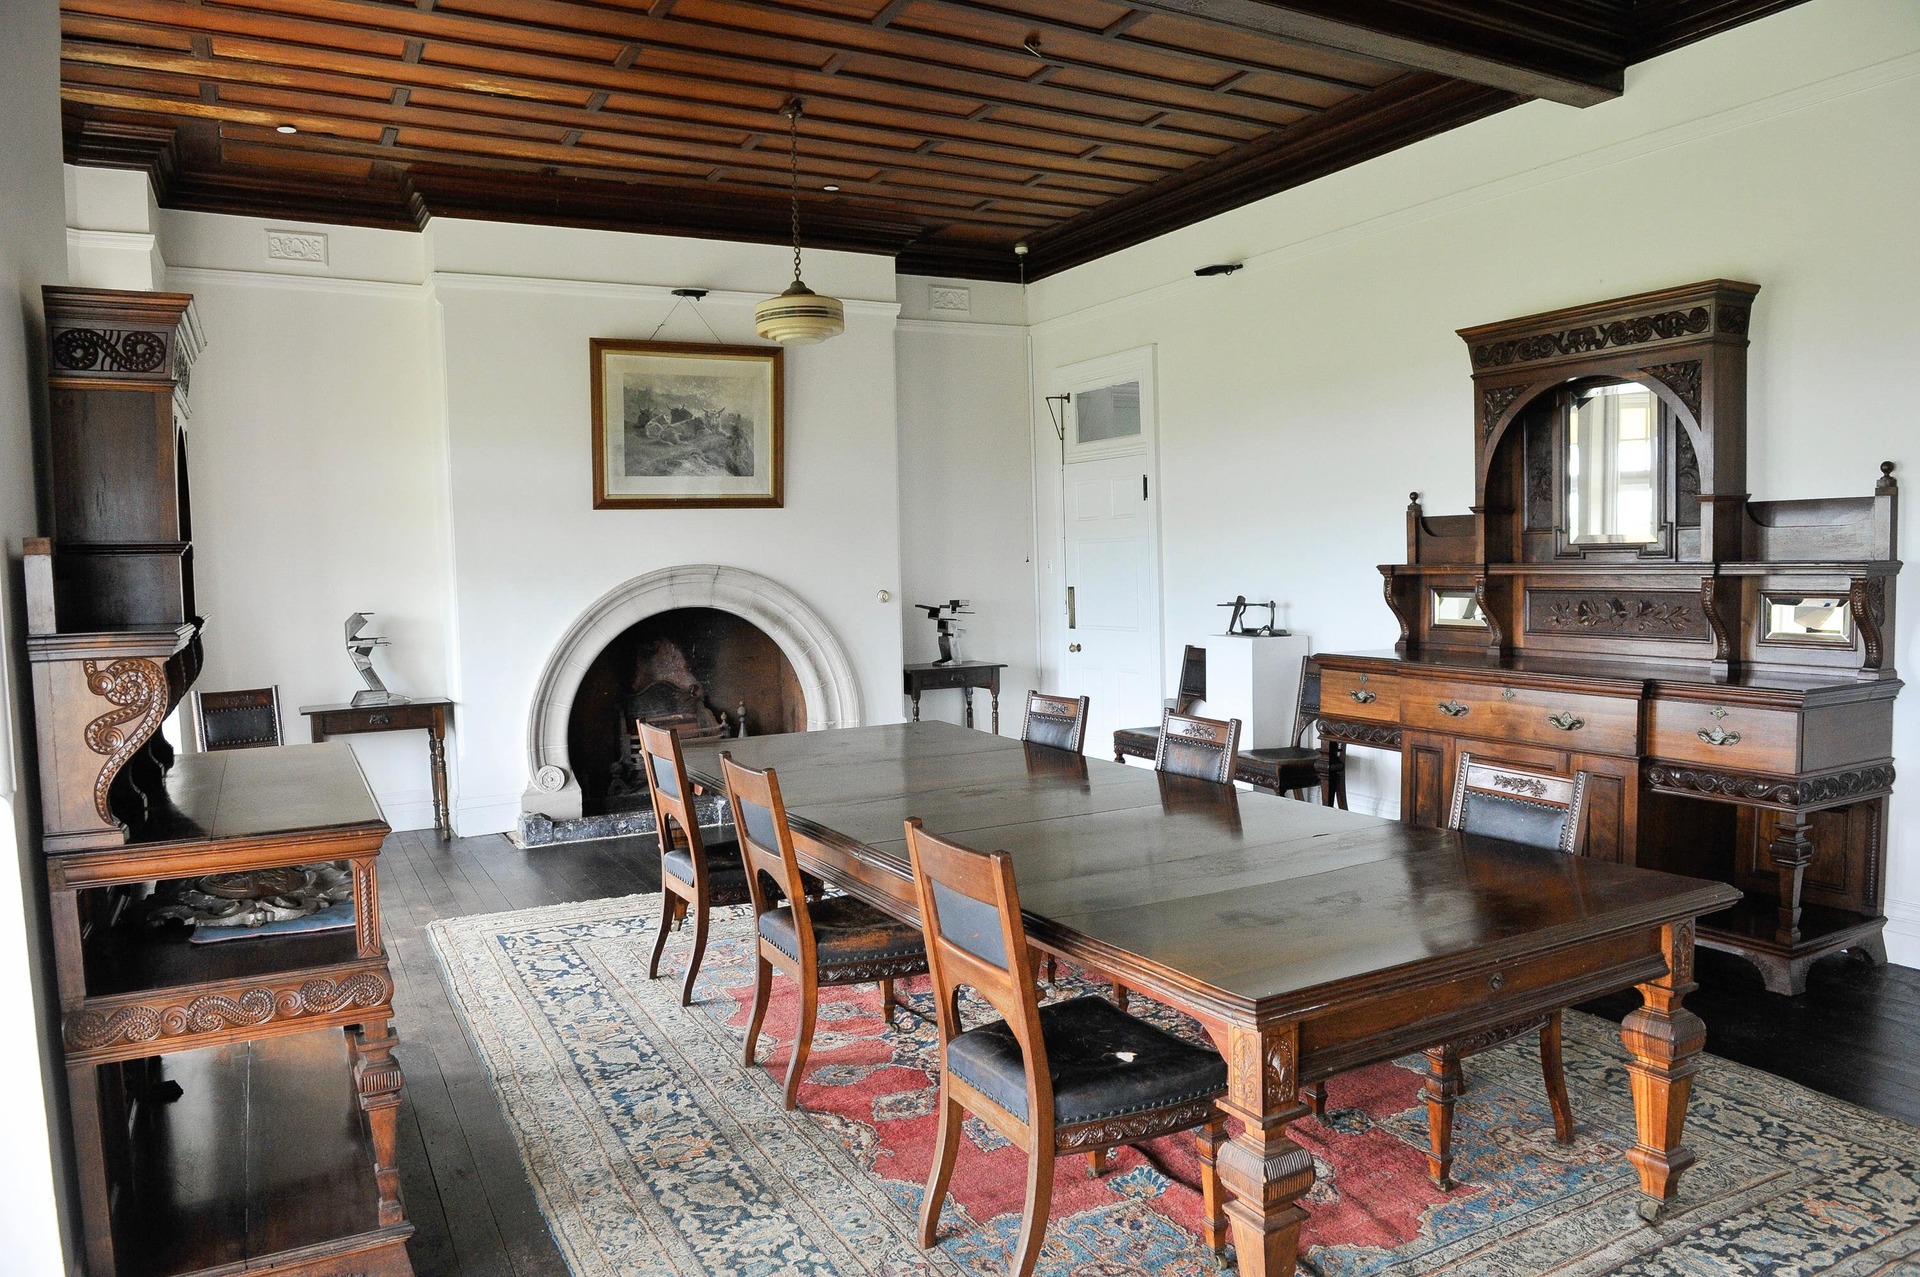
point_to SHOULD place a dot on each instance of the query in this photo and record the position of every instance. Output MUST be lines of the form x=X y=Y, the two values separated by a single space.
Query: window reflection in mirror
x=1809 y=618
x=1612 y=431
x=1457 y=608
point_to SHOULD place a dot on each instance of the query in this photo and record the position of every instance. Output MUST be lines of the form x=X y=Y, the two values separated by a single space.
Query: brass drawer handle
x=1718 y=735
x=1453 y=709
x=379 y=720
x=1497 y=981
x=1363 y=696
x=1566 y=722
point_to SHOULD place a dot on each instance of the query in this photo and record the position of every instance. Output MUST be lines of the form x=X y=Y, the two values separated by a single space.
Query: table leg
x=1664 y=1040
x=916 y=704
x=996 y=710
x=437 y=760
x=377 y=1080
x=966 y=694
x=1263 y=1170
x=1791 y=852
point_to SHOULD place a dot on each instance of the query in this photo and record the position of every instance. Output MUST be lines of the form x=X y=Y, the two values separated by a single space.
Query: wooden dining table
x=1305 y=940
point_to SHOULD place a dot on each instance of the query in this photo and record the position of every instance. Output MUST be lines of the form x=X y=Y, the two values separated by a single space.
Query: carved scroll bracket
x=137 y=689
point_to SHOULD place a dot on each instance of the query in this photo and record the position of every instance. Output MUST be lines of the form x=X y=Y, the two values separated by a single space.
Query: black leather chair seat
x=850 y=933
x=1104 y=1062
x=1282 y=767
x=1515 y=819
x=1137 y=742
x=726 y=875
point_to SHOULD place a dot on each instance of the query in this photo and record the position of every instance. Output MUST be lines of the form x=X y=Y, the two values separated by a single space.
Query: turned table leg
x=1665 y=1041
x=1791 y=852
x=377 y=1080
x=437 y=764
x=1263 y=1171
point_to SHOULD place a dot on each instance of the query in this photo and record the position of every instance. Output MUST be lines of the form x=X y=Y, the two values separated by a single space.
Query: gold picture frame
x=684 y=425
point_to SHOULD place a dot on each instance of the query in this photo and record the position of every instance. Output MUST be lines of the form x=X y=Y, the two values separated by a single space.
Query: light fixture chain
x=793 y=154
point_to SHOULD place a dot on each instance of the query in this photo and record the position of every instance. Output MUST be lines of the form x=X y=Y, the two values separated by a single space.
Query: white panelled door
x=1112 y=545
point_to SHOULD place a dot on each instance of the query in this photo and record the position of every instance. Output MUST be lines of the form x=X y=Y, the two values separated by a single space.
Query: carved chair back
x=766 y=845
x=246 y=719
x=1193 y=679
x=1203 y=748
x=672 y=795
x=970 y=916
x=1059 y=721
x=1537 y=809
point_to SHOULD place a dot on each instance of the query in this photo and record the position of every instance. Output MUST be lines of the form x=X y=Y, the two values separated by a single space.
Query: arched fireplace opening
x=703 y=671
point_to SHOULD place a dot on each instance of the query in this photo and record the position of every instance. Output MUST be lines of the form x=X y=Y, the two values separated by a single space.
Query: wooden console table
x=428 y=713
x=965 y=675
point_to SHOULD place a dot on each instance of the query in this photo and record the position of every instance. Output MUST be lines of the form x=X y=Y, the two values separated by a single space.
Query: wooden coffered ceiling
x=953 y=129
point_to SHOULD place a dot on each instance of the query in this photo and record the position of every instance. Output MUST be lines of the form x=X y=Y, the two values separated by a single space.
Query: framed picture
x=681 y=425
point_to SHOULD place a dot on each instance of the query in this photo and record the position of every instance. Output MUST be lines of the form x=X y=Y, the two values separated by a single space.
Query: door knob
x=1073 y=647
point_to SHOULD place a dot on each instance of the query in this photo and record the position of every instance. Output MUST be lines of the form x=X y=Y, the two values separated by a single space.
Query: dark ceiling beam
x=1571 y=51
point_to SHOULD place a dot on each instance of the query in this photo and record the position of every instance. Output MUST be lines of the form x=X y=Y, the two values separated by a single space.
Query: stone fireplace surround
x=550 y=809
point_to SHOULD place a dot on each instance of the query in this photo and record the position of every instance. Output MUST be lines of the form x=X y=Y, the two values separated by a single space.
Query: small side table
x=965 y=675
x=430 y=713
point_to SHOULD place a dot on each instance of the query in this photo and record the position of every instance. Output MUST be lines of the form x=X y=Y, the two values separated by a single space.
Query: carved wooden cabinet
x=234 y=1105
x=1615 y=603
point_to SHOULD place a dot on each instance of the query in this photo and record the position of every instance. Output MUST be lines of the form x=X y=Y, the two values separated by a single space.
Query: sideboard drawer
x=1736 y=737
x=1536 y=716
x=1351 y=694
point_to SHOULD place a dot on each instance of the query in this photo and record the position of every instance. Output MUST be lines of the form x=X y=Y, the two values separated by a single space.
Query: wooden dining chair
x=1536 y=809
x=822 y=943
x=1296 y=768
x=1069 y=1077
x=1058 y=721
x=1141 y=742
x=694 y=876
x=245 y=719
x=1202 y=748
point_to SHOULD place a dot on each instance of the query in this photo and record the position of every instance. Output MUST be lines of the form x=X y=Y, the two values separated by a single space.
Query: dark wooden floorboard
x=1855 y=1035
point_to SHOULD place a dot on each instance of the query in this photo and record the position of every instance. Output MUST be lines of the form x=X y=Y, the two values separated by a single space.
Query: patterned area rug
x=653 y=1151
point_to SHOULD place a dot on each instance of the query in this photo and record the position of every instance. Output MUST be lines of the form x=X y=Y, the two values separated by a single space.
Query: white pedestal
x=1256 y=680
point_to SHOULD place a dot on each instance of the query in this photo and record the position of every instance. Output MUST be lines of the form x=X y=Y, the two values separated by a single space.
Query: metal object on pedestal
x=1237 y=623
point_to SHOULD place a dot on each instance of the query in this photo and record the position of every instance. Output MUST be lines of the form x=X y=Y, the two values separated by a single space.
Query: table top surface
x=233 y=794
x=927 y=667
x=1257 y=897
x=423 y=701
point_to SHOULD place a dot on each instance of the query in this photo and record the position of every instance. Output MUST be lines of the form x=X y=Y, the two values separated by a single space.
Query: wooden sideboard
x=1719 y=667
x=234 y=1105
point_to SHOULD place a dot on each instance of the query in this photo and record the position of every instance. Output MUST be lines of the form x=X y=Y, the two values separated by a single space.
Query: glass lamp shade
x=799 y=317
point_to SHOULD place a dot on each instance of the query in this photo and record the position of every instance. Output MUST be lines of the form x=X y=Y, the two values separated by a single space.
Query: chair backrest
x=970 y=917
x=672 y=795
x=1203 y=748
x=247 y=719
x=766 y=844
x=1193 y=679
x=1538 y=809
x=1306 y=710
x=1059 y=721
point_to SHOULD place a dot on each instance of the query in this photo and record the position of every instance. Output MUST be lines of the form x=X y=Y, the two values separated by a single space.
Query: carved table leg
x=1441 y=1090
x=377 y=1079
x=437 y=762
x=1664 y=1040
x=966 y=696
x=916 y=704
x=1791 y=851
x=994 y=696
x=1264 y=1172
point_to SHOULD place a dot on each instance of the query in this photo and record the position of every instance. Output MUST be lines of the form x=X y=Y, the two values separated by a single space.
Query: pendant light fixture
x=799 y=316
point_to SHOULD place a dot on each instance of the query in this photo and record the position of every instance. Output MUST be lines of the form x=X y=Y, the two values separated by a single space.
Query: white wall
x=966 y=504
x=32 y=253
x=1303 y=398
x=518 y=306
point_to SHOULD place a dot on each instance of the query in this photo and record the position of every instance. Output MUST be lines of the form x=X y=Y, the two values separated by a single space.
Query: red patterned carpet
x=653 y=1150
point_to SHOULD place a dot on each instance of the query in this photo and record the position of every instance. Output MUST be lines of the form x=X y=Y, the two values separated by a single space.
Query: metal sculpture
x=360 y=650
x=947 y=627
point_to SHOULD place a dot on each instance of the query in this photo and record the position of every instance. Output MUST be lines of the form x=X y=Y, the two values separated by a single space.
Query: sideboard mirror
x=1612 y=460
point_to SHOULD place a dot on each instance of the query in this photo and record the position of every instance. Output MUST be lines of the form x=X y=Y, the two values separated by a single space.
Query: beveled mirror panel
x=1809 y=618
x=1612 y=467
x=1457 y=609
